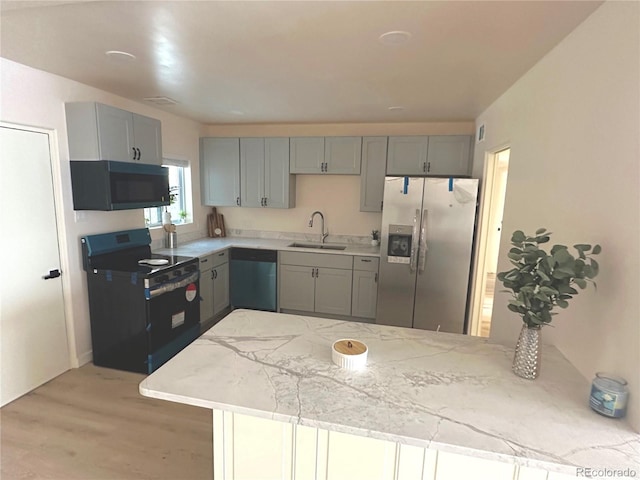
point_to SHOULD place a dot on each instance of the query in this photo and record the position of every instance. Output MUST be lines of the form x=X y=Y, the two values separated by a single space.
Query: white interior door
x=33 y=338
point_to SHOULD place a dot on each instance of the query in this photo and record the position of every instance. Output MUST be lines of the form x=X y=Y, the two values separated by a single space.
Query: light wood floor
x=92 y=424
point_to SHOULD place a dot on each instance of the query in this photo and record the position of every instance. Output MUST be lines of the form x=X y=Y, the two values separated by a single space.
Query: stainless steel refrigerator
x=425 y=252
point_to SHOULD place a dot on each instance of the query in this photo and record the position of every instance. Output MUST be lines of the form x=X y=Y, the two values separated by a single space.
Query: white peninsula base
x=252 y=448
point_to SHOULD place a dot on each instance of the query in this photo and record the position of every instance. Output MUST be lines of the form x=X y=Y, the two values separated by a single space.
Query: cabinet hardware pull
x=375 y=278
x=313 y=273
x=424 y=167
x=265 y=201
x=428 y=166
x=317 y=273
x=221 y=254
x=212 y=277
x=215 y=274
x=381 y=204
x=204 y=261
x=134 y=152
x=238 y=201
x=367 y=260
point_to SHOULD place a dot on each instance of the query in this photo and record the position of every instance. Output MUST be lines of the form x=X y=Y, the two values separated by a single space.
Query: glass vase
x=526 y=360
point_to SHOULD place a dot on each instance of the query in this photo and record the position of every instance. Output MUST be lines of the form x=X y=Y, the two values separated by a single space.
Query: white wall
x=573 y=125
x=36 y=98
x=337 y=196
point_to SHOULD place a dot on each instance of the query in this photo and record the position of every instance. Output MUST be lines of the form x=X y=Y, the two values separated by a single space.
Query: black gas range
x=144 y=307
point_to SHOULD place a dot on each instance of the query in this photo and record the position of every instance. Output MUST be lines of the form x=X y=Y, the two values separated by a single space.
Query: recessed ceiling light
x=395 y=109
x=396 y=37
x=237 y=112
x=118 y=55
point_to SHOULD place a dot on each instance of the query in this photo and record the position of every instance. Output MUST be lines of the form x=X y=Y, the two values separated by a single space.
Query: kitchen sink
x=323 y=246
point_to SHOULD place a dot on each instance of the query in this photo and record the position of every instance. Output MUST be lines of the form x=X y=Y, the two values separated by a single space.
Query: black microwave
x=109 y=185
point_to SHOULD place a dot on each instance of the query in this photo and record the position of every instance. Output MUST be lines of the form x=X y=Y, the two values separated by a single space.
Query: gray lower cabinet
x=102 y=132
x=365 y=287
x=265 y=180
x=374 y=164
x=214 y=284
x=220 y=171
x=315 y=282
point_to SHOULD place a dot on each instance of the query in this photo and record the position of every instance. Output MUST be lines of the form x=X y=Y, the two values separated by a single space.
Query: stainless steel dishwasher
x=253 y=281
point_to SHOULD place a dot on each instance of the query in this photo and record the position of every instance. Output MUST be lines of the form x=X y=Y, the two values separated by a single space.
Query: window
x=180 y=192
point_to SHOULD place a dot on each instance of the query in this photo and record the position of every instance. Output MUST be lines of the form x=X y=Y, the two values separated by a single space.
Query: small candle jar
x=609 y=395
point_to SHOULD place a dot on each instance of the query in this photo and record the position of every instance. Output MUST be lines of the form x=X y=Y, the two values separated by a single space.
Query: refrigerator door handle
x=414 y=241
x=423 y=241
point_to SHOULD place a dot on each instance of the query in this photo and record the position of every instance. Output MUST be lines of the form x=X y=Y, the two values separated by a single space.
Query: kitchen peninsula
x=427 y=405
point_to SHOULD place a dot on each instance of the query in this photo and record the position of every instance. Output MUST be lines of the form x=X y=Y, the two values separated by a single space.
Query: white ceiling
x=293 y=62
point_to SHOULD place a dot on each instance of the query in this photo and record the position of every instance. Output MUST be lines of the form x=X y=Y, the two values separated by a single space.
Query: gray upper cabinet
x=264 y=173
x=147 y=139
x=307 y=154
x=342 y=155
x=449 y=155
x=407 y=155
x=252 y=172
x=435 y=155
x=374 y=162
x=332 y=155
x=102 y=132
x=220 y=171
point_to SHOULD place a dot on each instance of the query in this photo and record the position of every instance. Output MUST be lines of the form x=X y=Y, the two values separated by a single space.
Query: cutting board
x=215 y=224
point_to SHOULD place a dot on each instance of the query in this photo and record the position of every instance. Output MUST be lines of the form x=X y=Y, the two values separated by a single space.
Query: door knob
x=52 y=274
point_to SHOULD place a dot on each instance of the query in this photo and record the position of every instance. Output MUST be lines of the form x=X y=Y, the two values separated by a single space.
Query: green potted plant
x=183 y=216
x=375 y=237
x=540 y=281
x=166 y=215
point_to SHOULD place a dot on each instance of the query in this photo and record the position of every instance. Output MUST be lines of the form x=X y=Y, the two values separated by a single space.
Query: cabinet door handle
x=428 y=166
x=215 y=274
x=265 y=201
x=424 y=167
x=375 y=278
x=204 y=261
x=212 y=275
x=313 y=272
x=366 y=260
x=317 y=273
x=238 y=201
x=381 y=204
x=134 y=153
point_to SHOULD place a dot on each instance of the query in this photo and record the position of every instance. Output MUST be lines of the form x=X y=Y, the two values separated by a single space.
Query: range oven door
x=173 y=318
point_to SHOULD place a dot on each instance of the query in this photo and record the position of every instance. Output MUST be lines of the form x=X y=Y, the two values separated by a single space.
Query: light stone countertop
x=437 y=390
x=206 y=246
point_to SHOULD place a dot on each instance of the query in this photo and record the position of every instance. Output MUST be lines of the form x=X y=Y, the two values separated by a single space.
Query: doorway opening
x=495 y=185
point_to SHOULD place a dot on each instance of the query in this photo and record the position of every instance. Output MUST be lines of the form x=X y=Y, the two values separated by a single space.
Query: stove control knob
x=177 y=273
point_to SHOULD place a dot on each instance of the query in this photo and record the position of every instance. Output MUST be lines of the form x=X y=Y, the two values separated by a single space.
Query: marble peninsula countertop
x=207 y=246
x=436 y=390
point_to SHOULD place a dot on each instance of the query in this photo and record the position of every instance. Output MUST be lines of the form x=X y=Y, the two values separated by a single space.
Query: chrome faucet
x=323 y=235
